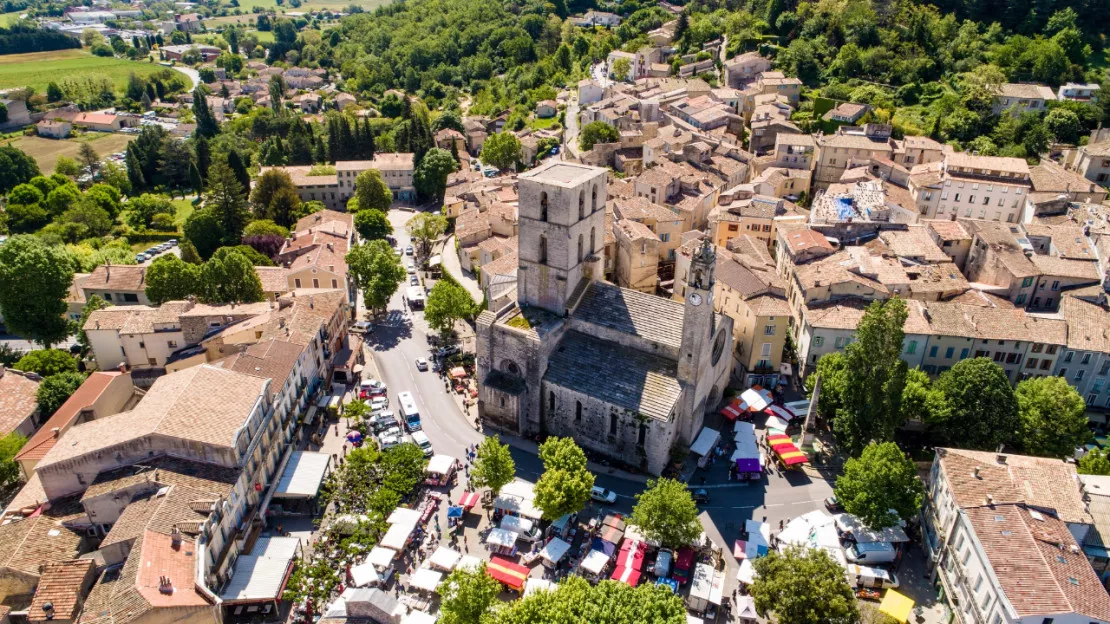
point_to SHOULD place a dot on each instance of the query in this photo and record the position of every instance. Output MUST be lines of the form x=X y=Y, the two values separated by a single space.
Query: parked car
x=419 y=438
x=371 y=388
x=421 y=364
x=172 y=242
x=833 y=505
x=603 y=495
x=409 y=250
x=140 y=258
x=414 y=280
x=446 y=351
x=362 y=327
x=871 y=553
x=700 y=496
x=379 y=403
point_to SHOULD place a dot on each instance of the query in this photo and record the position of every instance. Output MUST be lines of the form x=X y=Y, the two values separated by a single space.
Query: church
x=626 y=374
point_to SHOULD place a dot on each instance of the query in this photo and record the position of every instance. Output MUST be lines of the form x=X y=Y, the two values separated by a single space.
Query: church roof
x=632 y=312
x=637 y=381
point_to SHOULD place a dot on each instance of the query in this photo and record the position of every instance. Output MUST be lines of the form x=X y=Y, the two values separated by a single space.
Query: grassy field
x=10 y=18
x=46 y=151
x=184 y=208
x=37 y=69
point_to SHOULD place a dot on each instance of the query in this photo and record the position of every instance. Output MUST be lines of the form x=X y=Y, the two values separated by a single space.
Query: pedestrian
x=780 y=525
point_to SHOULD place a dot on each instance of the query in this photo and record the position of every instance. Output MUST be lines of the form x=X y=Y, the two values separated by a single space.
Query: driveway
x=193 y=74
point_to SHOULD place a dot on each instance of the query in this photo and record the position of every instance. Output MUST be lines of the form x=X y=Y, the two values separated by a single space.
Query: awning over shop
x=506 y=572
x=629 y=576
x=364 y=574
x=595 y=562
x=426 y=579
x=403 y=515
x=435 y=260
x=260 y=576
x=381 y=557
x=896 y=605
x=445 y=558
x=303 y=475
x=632 y=555
x=705 y=442
x=440 y=465
x=554 y=551
x=501 y=537
x=755 y=399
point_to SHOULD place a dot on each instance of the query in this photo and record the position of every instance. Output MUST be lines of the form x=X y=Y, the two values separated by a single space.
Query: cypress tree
x=204 y=154
x=134 y=170
x=241 y=174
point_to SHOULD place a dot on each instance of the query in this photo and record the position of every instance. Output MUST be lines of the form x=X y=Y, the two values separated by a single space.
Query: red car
x=371 y=388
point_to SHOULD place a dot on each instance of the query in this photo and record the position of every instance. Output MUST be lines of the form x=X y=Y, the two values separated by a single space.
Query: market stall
x=469 y=499
x=363 y=574
x=744 y=611
x=445 y=558
x=706 y=589
x=594 y=563
x=747 y=456
x=746 y=574
x=398 y=535
x=612 y=529
x=632 y=555
x=469 y=562
x=755 y=399
x=554 y=551
x=517 y=499
x=897 y=605
x=440 y=469
x=374 y=604
x=501 y=542
x=403 y=515
x=755 y=542
x=683 y=560
x=704 y=444
x=629 y=576
x=510 y=574
x=381 y=557
x=781 y=412
x=533 y=585
x=774 y=424
x=426 y=579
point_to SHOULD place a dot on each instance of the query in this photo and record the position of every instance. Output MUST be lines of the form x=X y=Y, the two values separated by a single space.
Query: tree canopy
x=56 y=389
x=880 y=486
x=803 y=586
x=564 y=487
x=372 y=224
x=494 y=466
x=1053 y=417
x=502 y=150
x=34 y=308
x=597 y=132
x=47 y=362
x=10 y=446
x=666 y=512
x=376 y=271
x=229 y=277
x=979 y=408
x=371 y=192
x=170 y=278
x=467 y=595
x=608 y=602
x=447 y=302
x=426 y=228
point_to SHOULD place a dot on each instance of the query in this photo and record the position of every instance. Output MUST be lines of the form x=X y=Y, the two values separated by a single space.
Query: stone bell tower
x=698 y=328
x=562 y=233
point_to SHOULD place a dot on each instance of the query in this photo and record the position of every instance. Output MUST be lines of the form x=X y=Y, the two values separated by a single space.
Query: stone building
x=624 y=373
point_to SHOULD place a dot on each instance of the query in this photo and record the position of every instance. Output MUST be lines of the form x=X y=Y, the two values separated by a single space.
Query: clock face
x=695 y=299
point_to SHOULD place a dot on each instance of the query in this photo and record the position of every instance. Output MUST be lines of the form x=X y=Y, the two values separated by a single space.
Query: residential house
x=54 y=128
x=847 y=113
x=589 y=91
x=61 y=591
x=19 y=409
x=188 y=22
x=98 y=122
x=743 y=212
x=1021 y=98
x=743 y=69
x=447 y=137
x=1093 y=161
x=545 y=109
x=1079 y=92
x=177 y=52
x=973 y=187
x=343 y=101
x=637 y=261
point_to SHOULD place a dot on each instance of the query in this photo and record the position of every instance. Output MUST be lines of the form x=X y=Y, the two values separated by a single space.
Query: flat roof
x=563 y=173
x=303 y=475
x=260 y=575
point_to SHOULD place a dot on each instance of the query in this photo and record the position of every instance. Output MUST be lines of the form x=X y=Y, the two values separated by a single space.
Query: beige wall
x=965 y=197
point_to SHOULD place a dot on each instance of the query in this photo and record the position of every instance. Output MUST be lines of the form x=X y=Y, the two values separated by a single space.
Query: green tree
x=493 y=466
x=203 y=232
x=880 y=486
x=47 y=362
x=34 y=308
x=666 y=512
x=54 y=93
x=264 y=227
x=67 y=166
x=979 y=409
x=225 y=198
x=207 y=126
x=88 y=157
x=229 y=277
x=189 y=252
x=372 y=224
x=467 y=595
x=141 y=209
x=430 y=177
x=169 y=278
x=284 y=206
x=1053 y=417
x=597 y=132
x=9 y=467
x=93 y=304
x=447 y=302
x=266 y=188
x=255 y=257
x=621 y=69
x=55 y=390
x=356 y=411
x=91 y=220
x=376 y=272
x=502 y=150
x=1095 y=462
x=564 y=487
x=803 y=586
x=426 y=228
x=1063 y=124
x=106 y=197
x=371 y=192
x=16 y=168
x=611 y=602
x=872 y=393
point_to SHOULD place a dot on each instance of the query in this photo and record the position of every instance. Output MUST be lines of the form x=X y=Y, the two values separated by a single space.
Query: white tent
x=365 y=574
x=517 y=497
x=803 y=530
x=555 y=550
x=745 y=608
x=337 y=609
x=426 y=579
x=851 y=524
x=469 y=562
x=707 y=587
x=533 y=585
x=418 y=617
x=595 y=562
x=755 y=400
x=632 y=533
x=381 y=557
x=440 y=464
x=397 y=536
x=445 y=558
x=403 y=515
x=501 y=537
x=705 y=442
x=516 y=524
x=774 y=422
x=746 y=574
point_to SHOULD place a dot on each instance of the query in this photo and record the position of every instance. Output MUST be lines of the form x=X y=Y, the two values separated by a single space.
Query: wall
x=1005 y=202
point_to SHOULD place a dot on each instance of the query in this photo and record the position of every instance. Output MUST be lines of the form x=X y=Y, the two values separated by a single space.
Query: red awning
x=611 y=534
x=732 y=411
x=458 y=372
x=778 y=437
x=506 y=572
x=626 y=575
x=632 y=555
x=684 y=559
x=780 y=411
x=469 y=500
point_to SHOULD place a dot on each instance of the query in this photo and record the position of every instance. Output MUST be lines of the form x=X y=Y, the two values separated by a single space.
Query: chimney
x=48 y=610
x=175 y=538
x=165 y=586
x=975 y=472
x=1002 y=459
x=990 y=499
x=56 y=432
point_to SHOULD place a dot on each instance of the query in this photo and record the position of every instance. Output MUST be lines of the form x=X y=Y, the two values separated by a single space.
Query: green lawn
x=184 y=208
x=37 y=69
x=46 y=151
x=7 y=19
x=542 y=124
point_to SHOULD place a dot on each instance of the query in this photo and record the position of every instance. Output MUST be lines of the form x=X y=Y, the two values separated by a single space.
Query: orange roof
x=160 y=558
x=96 y=118
x=86 y=395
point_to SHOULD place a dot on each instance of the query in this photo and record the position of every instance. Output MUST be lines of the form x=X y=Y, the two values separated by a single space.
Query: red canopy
x=685 y=558
x=469 y=500
x=732 y=411
x=611 y=534
x=632 y=555
x=626 y=575
x=778 y=437
x=506 y=572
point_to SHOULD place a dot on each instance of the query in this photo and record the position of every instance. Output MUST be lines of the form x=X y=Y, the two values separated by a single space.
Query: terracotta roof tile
x=17 y=398
x=63 y=586
x=43 y=440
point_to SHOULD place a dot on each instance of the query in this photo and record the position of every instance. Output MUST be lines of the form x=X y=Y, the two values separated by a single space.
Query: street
x=403 y=336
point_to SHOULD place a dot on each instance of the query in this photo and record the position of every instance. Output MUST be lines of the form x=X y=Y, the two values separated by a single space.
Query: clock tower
x=698 y=329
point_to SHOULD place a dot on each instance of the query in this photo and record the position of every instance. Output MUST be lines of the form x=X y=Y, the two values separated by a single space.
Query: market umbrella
x=669 y=583
x=896 y=605
x=454 y=512
x=733 y=410
x=458 y=372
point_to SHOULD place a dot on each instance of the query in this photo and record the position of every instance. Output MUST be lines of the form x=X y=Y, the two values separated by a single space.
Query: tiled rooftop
x=628 y=311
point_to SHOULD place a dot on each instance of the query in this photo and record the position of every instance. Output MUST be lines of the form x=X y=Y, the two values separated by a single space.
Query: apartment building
x=743 y=212
x=661 y=221
x=991 y=188
x=334 y=190
x=994 y=523
x=854 y=146
x=1018 y=99
x=1093 y=162
x=1085 y=363
x=794 y=151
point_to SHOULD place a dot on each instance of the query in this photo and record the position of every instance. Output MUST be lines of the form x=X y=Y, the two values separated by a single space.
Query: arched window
x=593 y=249
x=543 y=206
x=580 y=248
x=543 y=249
x=582 y=204
x=593 y=207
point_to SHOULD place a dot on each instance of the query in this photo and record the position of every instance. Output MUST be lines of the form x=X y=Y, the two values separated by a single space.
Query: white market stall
x=445 y=558
x=517 y=524
x=594 y=562
x=403 y=515
x=439 y=470
x=554 y=552
x=746 y=574
x=364 y=574
x=426 y=579
x=533 y=585
x=397 y=537
x=706 y=588
x=501 y=541
x=747 y=457
x=518 y=498
x=704 y=444
x=381 y=557
x=755 y=400
x=469 y=563
x=374 y=604
x=744 y=611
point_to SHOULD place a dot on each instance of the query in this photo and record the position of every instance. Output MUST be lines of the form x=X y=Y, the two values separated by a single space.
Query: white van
x=524 y=528
x=871 y=553
x=662 y=563
x=871 y=578
x=420 y=439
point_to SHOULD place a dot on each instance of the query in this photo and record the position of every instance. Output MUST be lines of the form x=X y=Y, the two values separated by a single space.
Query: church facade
x=626 y=374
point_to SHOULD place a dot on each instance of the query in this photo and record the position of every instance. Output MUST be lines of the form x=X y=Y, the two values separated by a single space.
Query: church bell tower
x=698 y=328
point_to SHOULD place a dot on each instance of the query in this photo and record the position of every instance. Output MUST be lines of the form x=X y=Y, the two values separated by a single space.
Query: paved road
x=193 y=74
x=450 y=258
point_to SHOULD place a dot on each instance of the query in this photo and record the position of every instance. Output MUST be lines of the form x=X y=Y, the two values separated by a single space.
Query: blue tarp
x=669 y=583
x=844 y=207
x=454 y=512
x=606 y=547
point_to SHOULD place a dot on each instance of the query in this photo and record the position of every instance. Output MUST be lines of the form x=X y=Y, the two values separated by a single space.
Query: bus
x=409 y=411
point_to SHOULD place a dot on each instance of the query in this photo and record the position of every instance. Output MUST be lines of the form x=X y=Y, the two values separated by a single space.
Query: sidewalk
x=450 y=259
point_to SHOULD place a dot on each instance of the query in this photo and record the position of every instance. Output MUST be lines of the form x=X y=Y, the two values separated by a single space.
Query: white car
x=421 y=364
x=409 y=250
x=377 y=404
x=603 y=495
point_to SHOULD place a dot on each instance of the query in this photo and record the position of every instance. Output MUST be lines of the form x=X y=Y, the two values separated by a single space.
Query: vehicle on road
x=140 y=258
x=663 y=563
x=379 y=403
x=421 y=364
x=387 y=441
x=446 y=351
x=603 y=495
x=873 y=578
x=833 y=505
x=370 y=388
x=419 y=438
x=398 y=252
x=382 y=420
x=362 y=327
x=700 y=496
x=409 y=411
x=414 y=280
x=409 y=250
x=871 y=552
